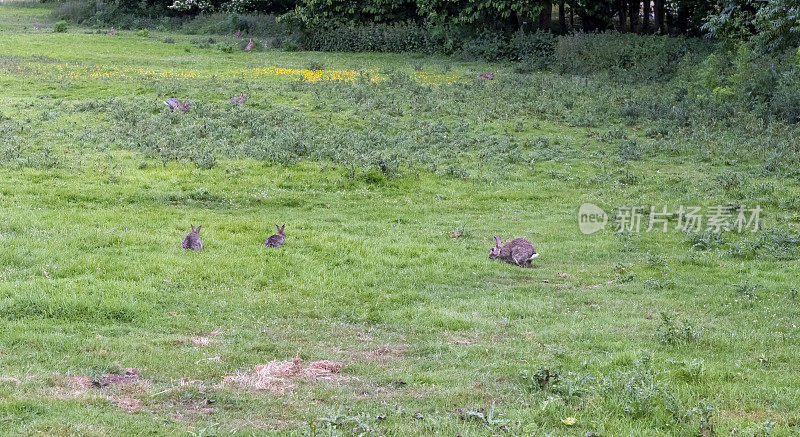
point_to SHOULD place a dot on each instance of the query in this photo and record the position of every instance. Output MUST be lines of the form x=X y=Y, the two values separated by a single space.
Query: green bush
x=486 y=46
x=626 y=57
x=221 y=24
x=372 y=38
x=534 y=51
x=144 y=33
x=744 y=79
x=60 y=26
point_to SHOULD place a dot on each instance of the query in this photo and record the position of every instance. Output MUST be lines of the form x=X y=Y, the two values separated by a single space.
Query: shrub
x=75 y=11
x=534 y=51
x=371 y=38
x=60 y=26
x=144 y=33
x=221 y=24
x=486 y=46
x=626 y=57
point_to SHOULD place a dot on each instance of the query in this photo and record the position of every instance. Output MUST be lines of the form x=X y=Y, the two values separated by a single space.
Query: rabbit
x=192 y=240
x=238 y=100
x=277 y=239
x=518 y=251
x=174 y=104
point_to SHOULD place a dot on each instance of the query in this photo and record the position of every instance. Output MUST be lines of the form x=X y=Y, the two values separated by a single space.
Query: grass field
x=392 y=173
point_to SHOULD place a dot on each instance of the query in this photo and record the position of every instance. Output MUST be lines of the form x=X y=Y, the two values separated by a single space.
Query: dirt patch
x=459 y=340
x=198 y=340
x=130 y=375
x=201 y=341
x=593 y=286
x=120 y=389
x=128 y=404
x=280 y=376
x=188 y=411
x=381 y=354
x=387 y=350
x=258 y=424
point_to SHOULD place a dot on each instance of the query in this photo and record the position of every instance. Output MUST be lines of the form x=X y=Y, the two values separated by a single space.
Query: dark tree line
x=677 y=16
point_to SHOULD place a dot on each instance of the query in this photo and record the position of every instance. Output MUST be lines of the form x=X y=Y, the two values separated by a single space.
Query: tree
x=773 y=25
x=658 y=15
x=633 y=14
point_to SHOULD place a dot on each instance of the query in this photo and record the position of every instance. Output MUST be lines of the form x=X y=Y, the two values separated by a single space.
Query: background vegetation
x=393 y=172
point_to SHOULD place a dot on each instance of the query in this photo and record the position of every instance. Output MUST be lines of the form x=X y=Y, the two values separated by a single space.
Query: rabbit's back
x=518 y=248
x=275 y=240
x=192 y=242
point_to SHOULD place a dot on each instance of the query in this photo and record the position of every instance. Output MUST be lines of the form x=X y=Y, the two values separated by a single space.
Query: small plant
x=541 y=379
x=706 y=415
x=144 y=33
x=730 y=180
x=747 y=290
x=60 y=26
x=705 y=240
x=629 y=151
x=653 y=284
x=490 y=419
x=673 y=332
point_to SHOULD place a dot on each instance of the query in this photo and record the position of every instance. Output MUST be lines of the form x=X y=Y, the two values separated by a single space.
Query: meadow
x=393 y=173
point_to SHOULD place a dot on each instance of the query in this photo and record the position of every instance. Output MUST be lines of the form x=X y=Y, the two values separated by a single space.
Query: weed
x=629 y=151
x=674 y=332
x=705 y=240
x=730 y=180
x=747 y=290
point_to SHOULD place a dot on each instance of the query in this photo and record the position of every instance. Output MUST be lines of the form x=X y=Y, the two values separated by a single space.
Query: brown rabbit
x=192 y=240
x=518 y=251
x=277 y=239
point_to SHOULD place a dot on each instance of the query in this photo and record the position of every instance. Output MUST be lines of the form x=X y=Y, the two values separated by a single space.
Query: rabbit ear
x=192 y=227
x=283 y=227
x=497 y=239
x=278 y=228
x=197 y=231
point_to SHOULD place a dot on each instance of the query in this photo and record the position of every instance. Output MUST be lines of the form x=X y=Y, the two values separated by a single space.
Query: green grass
x=99 y=184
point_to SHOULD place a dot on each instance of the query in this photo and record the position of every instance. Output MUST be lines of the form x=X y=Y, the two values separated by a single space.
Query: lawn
x=393 y=173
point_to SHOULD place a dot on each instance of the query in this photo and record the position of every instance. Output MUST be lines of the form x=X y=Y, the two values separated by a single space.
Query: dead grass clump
x=128 y=387
x=280 y=376
x=200 y=341
x=106 y=379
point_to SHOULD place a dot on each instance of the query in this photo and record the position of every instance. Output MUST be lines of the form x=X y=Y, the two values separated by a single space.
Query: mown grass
x=631 y=334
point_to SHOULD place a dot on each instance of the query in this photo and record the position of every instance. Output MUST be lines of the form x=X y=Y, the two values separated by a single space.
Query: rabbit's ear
x=197 y=231
x=192 y=228
x=278 y=228
x=497 y=239
x=283 y=227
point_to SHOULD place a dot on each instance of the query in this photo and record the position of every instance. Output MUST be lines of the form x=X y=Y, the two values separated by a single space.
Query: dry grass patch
x=280 y=376
x=120 y=389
